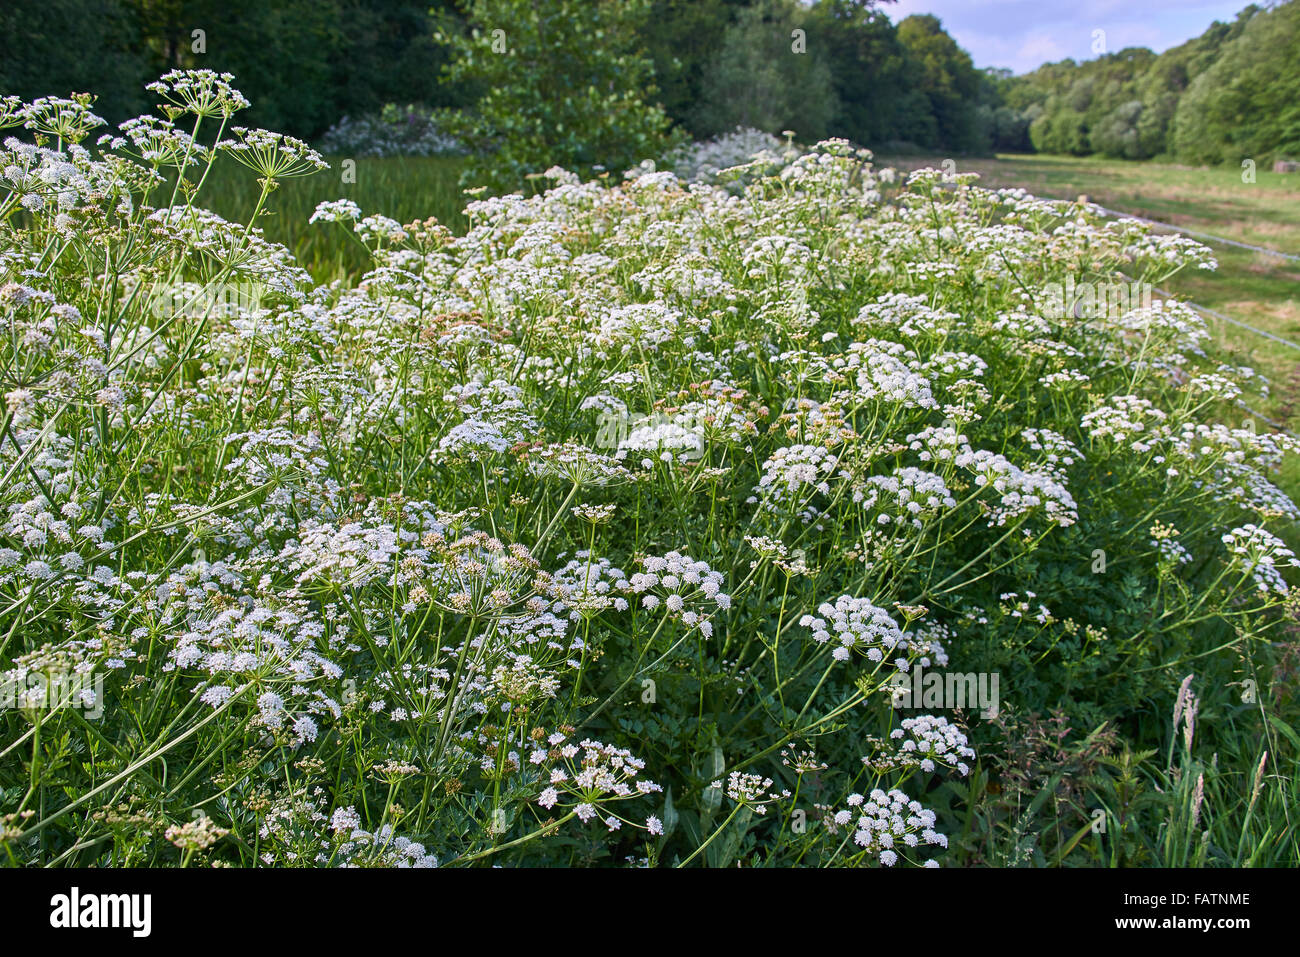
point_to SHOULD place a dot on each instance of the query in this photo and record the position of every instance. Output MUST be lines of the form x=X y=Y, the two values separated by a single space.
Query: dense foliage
x=1246 y=104
x=409 y=130
x=607 y=530
x=839 y=68
x=561 y=82
x=303 y=63
x=709 y=64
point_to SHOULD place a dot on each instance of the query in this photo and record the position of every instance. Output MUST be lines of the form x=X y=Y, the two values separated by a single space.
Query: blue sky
x=1022 y=34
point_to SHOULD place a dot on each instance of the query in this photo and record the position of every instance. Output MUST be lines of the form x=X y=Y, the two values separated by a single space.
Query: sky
x=1024 y=34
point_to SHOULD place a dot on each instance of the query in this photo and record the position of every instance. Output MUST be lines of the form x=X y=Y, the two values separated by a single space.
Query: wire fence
x=1214 y=312
x=1255 y=412
x=1236 y=322
x=1199 y=235
x=1218 y=239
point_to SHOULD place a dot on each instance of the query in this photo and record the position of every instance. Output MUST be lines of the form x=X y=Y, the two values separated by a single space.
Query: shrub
x=394 y=131
x=757 y=79
x=709 y=161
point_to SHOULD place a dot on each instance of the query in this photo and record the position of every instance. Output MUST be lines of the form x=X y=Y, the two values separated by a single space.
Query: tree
x=563 y=84
x=59 y=47
x=948 y=79
x=1060 y=129
x=1246 y=105
x=764 y=77
x=302 y=63
x=1124 y=103
x=682 y=38
x=1117 y=134
x=877 y=104
x=390 y=55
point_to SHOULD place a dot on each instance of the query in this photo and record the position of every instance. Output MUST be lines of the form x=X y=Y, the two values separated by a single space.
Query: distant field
x=1255 y=288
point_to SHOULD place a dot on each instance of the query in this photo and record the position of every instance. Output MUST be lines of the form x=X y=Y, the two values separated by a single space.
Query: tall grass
x=404 y=188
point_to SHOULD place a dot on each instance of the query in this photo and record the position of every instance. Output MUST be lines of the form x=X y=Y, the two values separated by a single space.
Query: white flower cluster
x=908 y=495
x=929 y=642
x=335 y=211
x=792 y=469
x=357 y=847
x=588 y=777
x=475 y=439
x=1216 y=386
x=930 y=741
x=351 y=555
x=941 y=443
x=521 y=681
x=887 y=823
x=665 y=442
x=911 y=316
x=884 y=375
x=683 y=586
x=577 y=464
x=1245 y=485
x=495 y=418
x=777 y=255
x=953 y=365
x=1172 y=551
x=276 y=453
x=752 y=790
x=1022 y=491
x=1234 y=446
x=718 y=418
x=854 y=624
x=648 y=325
x=1171 y=324
x=1125 y=419
x=1058 y=452
x=587 y=587
x=264 y=645
x=1262 y=554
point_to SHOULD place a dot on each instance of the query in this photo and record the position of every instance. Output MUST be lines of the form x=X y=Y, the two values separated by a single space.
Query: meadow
x=761 y=518
x=1253 y=287
x=1256 y=288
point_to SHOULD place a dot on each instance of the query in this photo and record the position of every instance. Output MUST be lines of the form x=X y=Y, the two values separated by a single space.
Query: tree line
x=833 y=67
x=1231 y=93
x=676 y=67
